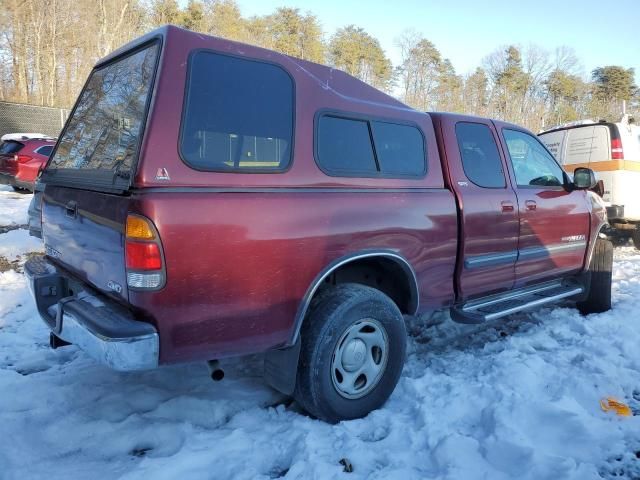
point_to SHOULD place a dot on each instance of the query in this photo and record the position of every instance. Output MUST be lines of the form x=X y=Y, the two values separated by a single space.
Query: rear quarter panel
x=239 y=264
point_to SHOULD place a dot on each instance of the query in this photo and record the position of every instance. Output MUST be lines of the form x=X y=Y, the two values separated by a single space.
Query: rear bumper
x=7 y=179
x=102 y=328
x=25 y=185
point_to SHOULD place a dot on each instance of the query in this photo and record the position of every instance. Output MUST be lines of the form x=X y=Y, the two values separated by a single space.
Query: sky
x=465 y=31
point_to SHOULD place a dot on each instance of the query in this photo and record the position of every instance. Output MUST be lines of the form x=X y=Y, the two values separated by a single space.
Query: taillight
x=143 y=254
x=616 y=149
x=22 y=158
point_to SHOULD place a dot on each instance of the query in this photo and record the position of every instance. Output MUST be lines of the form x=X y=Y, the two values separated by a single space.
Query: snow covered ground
x=516 y=399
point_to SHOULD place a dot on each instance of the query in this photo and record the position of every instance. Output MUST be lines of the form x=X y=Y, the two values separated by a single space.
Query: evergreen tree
x=359 y=54
x=295 y=34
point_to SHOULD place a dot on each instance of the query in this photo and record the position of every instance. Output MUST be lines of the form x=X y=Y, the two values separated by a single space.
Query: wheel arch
x=365 y=262
x=599 y=225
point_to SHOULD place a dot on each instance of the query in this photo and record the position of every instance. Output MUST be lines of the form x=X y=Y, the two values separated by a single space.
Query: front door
x=554 y=221
x=489 y=214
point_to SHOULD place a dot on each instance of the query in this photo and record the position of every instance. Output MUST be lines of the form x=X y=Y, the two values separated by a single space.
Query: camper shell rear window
x=100 y=143
x=238 y=115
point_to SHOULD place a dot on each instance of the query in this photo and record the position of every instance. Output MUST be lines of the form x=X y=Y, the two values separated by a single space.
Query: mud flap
x=281 y=368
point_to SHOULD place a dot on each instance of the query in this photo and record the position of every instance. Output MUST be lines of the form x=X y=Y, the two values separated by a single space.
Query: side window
x=369 y=148
x=532 y=164
x=46 y=150
x=344 y=145
x=400 y=148
x=479 y=152
x=238 y=115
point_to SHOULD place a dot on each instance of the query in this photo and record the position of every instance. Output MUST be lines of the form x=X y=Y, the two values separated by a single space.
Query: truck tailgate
x=83 y=231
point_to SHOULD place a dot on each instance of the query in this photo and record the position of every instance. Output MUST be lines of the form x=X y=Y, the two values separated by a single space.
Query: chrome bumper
x=102 y=328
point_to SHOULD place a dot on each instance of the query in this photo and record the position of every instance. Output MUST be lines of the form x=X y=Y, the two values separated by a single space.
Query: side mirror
x=583 y=178
x=598 y=188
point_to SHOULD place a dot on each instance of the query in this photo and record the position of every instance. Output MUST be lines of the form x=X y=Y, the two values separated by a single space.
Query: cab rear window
x=100 y=142
x=238 y=115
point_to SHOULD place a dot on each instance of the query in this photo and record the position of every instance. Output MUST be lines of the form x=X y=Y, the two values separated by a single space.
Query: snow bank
x=15 y=243
x=13 y=206
x=517 y=399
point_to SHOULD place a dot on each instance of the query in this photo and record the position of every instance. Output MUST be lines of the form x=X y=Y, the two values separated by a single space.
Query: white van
x=612 y=151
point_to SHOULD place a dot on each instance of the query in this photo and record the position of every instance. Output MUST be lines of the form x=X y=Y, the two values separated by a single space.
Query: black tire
x=636 y=238
x=600 y=268
x=340 y=310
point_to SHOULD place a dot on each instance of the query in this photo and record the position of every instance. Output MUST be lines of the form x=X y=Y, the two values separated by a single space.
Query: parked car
x=22 y=155
x=220 y=199
x=612 y=151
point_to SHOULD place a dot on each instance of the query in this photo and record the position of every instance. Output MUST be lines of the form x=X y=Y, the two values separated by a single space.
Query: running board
x=490 y=308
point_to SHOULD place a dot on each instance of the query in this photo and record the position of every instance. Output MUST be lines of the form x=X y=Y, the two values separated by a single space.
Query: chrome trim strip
x=531 y=253
x=306 y=301
x=489 y=260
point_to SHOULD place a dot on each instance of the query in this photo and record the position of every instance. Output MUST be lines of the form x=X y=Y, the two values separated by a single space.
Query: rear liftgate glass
x=99 y=146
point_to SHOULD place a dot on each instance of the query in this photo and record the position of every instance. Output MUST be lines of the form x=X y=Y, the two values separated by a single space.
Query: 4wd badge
x=162 y=174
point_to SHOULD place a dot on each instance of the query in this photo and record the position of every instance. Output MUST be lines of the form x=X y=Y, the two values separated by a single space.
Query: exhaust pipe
x=215 y=371
x=56 y=342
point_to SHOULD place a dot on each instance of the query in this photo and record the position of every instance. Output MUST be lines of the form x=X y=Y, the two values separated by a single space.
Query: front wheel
x=600 y=270
x=353 y=351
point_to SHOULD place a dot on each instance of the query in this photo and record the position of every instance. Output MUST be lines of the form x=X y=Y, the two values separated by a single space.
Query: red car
x=208 y=198
x=22 y=156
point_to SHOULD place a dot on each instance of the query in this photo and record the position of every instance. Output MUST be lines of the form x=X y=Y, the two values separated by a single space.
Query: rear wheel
x=600 y=268
x=353 y=351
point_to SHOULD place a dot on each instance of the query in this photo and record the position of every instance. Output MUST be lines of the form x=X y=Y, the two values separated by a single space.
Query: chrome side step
x=497 y=306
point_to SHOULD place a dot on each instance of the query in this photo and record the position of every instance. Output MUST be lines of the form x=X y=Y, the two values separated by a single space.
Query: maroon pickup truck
x=209 y=199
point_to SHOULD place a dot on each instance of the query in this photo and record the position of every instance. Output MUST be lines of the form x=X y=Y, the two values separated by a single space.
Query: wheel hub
x=353 y=355
x=360 y=358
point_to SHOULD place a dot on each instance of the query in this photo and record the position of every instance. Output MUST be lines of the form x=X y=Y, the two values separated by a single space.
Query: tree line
x=48 y=47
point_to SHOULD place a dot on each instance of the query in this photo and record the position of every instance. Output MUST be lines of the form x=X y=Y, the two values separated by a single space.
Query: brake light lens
x=616 y=149
x=143 y=254
x=22 y=158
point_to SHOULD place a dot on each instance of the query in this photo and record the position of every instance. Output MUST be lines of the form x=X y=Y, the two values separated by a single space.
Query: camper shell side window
x=238 y=115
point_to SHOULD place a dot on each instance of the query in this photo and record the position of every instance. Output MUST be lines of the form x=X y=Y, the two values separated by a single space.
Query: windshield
x=101 y=139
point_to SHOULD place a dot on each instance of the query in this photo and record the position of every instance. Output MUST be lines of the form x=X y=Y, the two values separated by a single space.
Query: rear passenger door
x=489 y=214
x=554 y=221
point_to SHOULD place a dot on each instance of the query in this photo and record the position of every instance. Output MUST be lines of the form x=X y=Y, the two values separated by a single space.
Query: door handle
x=531 y=205
x=72 y=209
x=507 y=206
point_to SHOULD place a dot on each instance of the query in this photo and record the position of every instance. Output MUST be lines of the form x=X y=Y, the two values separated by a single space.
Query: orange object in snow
x=608 y=404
